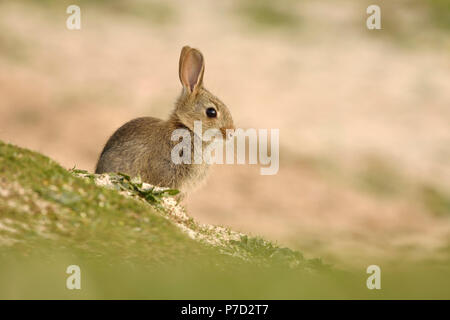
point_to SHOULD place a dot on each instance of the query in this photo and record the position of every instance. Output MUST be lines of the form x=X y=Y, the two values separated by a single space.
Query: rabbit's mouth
x=227 y=133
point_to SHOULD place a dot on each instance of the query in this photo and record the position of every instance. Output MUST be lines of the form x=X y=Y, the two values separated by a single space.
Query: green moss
x=435 y=200
x=153 y=11
x=12 y=47
x=439 y=13
x=269 y=14
x=380 y=177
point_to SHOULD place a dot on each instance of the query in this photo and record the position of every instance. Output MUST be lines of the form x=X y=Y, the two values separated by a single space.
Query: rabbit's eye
x=211 y=113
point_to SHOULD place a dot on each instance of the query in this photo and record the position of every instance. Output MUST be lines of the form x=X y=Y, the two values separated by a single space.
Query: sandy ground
x=338 y=94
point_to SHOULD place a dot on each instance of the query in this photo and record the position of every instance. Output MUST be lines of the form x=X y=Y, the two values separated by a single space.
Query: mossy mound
x=132 y=240
x=50 y=214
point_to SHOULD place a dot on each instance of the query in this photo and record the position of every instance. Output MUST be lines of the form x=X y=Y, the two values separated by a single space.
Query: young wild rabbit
x=142 y=147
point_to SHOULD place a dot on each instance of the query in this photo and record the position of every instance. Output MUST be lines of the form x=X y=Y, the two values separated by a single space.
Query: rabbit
x=142 y=147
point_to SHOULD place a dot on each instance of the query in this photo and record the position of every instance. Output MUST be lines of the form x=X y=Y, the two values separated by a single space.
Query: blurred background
x=363 y=114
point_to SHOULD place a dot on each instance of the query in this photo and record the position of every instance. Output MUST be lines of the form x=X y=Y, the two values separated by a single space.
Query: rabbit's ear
x=191 y=68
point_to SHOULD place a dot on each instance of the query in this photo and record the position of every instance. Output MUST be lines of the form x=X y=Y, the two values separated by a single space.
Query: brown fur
x=142 y=147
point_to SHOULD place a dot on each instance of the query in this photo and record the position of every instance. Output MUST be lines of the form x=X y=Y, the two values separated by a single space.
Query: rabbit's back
x=130 y=148
x=142 y=147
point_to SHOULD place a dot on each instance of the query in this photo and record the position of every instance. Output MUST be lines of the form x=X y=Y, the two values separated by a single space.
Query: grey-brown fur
x=142 y=147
